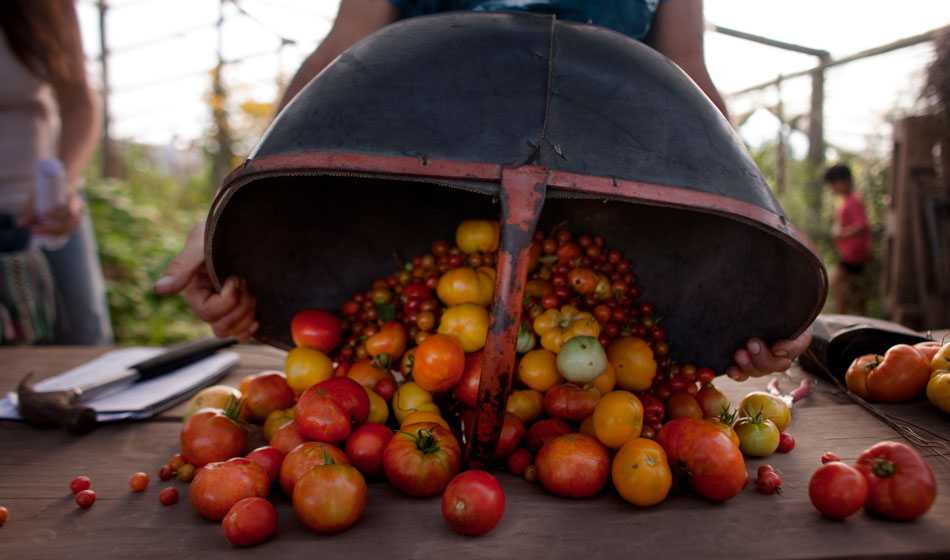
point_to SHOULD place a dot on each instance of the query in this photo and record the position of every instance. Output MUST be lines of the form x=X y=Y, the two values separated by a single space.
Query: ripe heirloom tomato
x=410 y=397
x=758 y=436
x=265 y=393
x=929 y=349
x=544 y=431
x=326 y=411
x=538 y=370
x=633 y=363
x=573 y=465
x=249 y=522
x=212 y=435
x=725 y=428
x=527 y=404
x=640 y=472
x=390 y=340
x=438 y=363
x=712 y=401
x=365 y=447
x=618 y=418
x=467 y=285
x=303 y=458
x=468 y=323
x=275 y=420
x=331 y=497
x=901 y=375
x=473 y=502
x=706 y=455
x=270 y=458
x=856 y=378
x=941 y=360
x=287 y=437
x=477 y=236
x=315 y=328
x=769 y=405
x=216 y=396
x=837 y=489
x=368 y=373
x=938 y=389
x=378 y=409
x=582 y=280
x=570 y=402
x=466 y=390
x=900 y=482
x=425 y=416
x=306 y=367
x=421 y=459
x=218 y=486
x=519 y=461
x=682 y=405
x=512 y=432
x=606 y=381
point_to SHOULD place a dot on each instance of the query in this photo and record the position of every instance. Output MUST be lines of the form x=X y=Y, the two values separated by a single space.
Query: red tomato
x=519 y=461
x=326 y=411
x=512 y=432
x=385 y=388
x=212 y=436
x=315 y=328
x=138 y=482
x=368 y=373
x=929 y=349
x=466 y=390
x=545 y=430
x=79 y=484
x=473 y=503
x=856 y=378
x=653 y=410
x=714 y=465
x=303 y=458
x=785 y=442
x=287 y=437
x=390 y=340
x=900 y=482
x=168 y=496
x=365 y=447
x=421 y=459
x=218 y=486
x=249 y=522
x=265 y=393
x=711 y=401
x=330 y=498
x=829 y=457
x=573 y=465
x=683 y=405
x=85 y=498
x=439 y=363
x=901 y=376
x=569 y=401
x=270 y=458
x=837 y=489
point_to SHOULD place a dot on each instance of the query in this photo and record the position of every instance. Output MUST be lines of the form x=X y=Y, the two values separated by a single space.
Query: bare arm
x=355 y=20
x=677 y=33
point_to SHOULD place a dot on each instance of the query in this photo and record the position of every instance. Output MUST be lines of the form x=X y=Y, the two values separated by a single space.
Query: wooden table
x=37 y=465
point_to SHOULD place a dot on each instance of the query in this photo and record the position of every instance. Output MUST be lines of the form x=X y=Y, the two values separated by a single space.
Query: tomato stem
x=883 y=468
x=327 y=460
x=424 y=440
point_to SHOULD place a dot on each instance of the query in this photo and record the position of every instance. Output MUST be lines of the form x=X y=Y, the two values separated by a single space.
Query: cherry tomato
x=785 y=442
x=85 y=498
x=439 y=363
x=249 y=522
x=837 y=489
x=138 y=482
x=165 y=472
x=315 y=328
x=4 y=515
x=829 y=457
x=473 y=502
x=79 y=484
x=385 y=388
x=640 y=472
x=705 y=375
x=519 y=461
x=168 y=496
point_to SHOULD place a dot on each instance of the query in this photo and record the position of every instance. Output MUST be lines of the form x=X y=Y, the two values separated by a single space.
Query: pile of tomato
x=903 y=373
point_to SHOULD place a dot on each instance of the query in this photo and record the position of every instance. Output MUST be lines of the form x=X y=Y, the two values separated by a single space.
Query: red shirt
x=855 y=249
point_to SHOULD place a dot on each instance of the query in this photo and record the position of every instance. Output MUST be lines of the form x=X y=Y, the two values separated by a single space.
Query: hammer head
x=54 y=408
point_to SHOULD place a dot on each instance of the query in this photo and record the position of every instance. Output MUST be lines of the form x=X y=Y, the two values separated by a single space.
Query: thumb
x=182 y=268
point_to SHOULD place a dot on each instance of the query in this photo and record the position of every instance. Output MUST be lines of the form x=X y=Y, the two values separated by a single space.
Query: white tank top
x=29 y=127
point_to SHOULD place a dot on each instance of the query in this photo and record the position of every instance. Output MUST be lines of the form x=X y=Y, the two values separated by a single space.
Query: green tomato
x=525 y=341
x=758 y=437
x=581 y=359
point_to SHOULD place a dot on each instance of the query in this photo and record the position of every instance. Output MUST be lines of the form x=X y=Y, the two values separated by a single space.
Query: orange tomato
x=618 y=418
x=902 y=375
x=424 y=416
x=468 y=323
x=466 y=285
x=641 y=473
x=606 y=381
x=306 y=367
x=587 y=427
x=538 y=370
x=856 y=378
x=367 y=373
x=526 y=404
x=477 y=236
x=390 y=340
x=725 y=428
x=633 y=363
x=439 y=363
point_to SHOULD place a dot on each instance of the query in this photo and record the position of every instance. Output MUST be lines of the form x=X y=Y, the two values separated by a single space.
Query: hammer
x=68 y=409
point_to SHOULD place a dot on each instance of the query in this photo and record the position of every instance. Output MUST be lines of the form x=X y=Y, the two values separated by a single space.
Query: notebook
x=141 y=400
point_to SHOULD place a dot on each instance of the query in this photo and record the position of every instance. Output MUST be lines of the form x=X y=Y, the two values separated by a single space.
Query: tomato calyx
x=383 y=361
x=729 y=418
x=882 y=467
x=327 y=460
x=424 y=440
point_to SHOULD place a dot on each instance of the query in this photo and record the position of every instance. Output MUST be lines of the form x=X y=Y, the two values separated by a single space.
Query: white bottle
x=50 y=181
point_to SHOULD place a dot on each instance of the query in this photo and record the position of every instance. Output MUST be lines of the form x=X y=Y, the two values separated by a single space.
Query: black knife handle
x=181 y=355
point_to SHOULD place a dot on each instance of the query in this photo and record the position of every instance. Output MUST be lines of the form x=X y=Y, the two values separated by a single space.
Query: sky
x=161 y=53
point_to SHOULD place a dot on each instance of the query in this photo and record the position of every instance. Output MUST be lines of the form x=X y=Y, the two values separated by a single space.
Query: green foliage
x=141 y=222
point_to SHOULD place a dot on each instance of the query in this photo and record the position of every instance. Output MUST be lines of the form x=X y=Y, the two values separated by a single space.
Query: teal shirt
x=630 y=17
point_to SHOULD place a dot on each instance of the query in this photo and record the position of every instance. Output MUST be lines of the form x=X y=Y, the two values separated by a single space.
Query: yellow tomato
x=526 y=404
x=938 y=389
x=771 y=407
x=211 y=397
x=618 y=418
x=276 y=420
x=605 y=382
x=633 y=363
x=378 y=409
x=466 y=285
x=557 y=326
x=477 y=236
x=538 y=370
x=305 y=367
x=468 y=323
x=410 y=397
x=941 y=359
x=424 y=416
x=641 y=473
x=587 y=427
